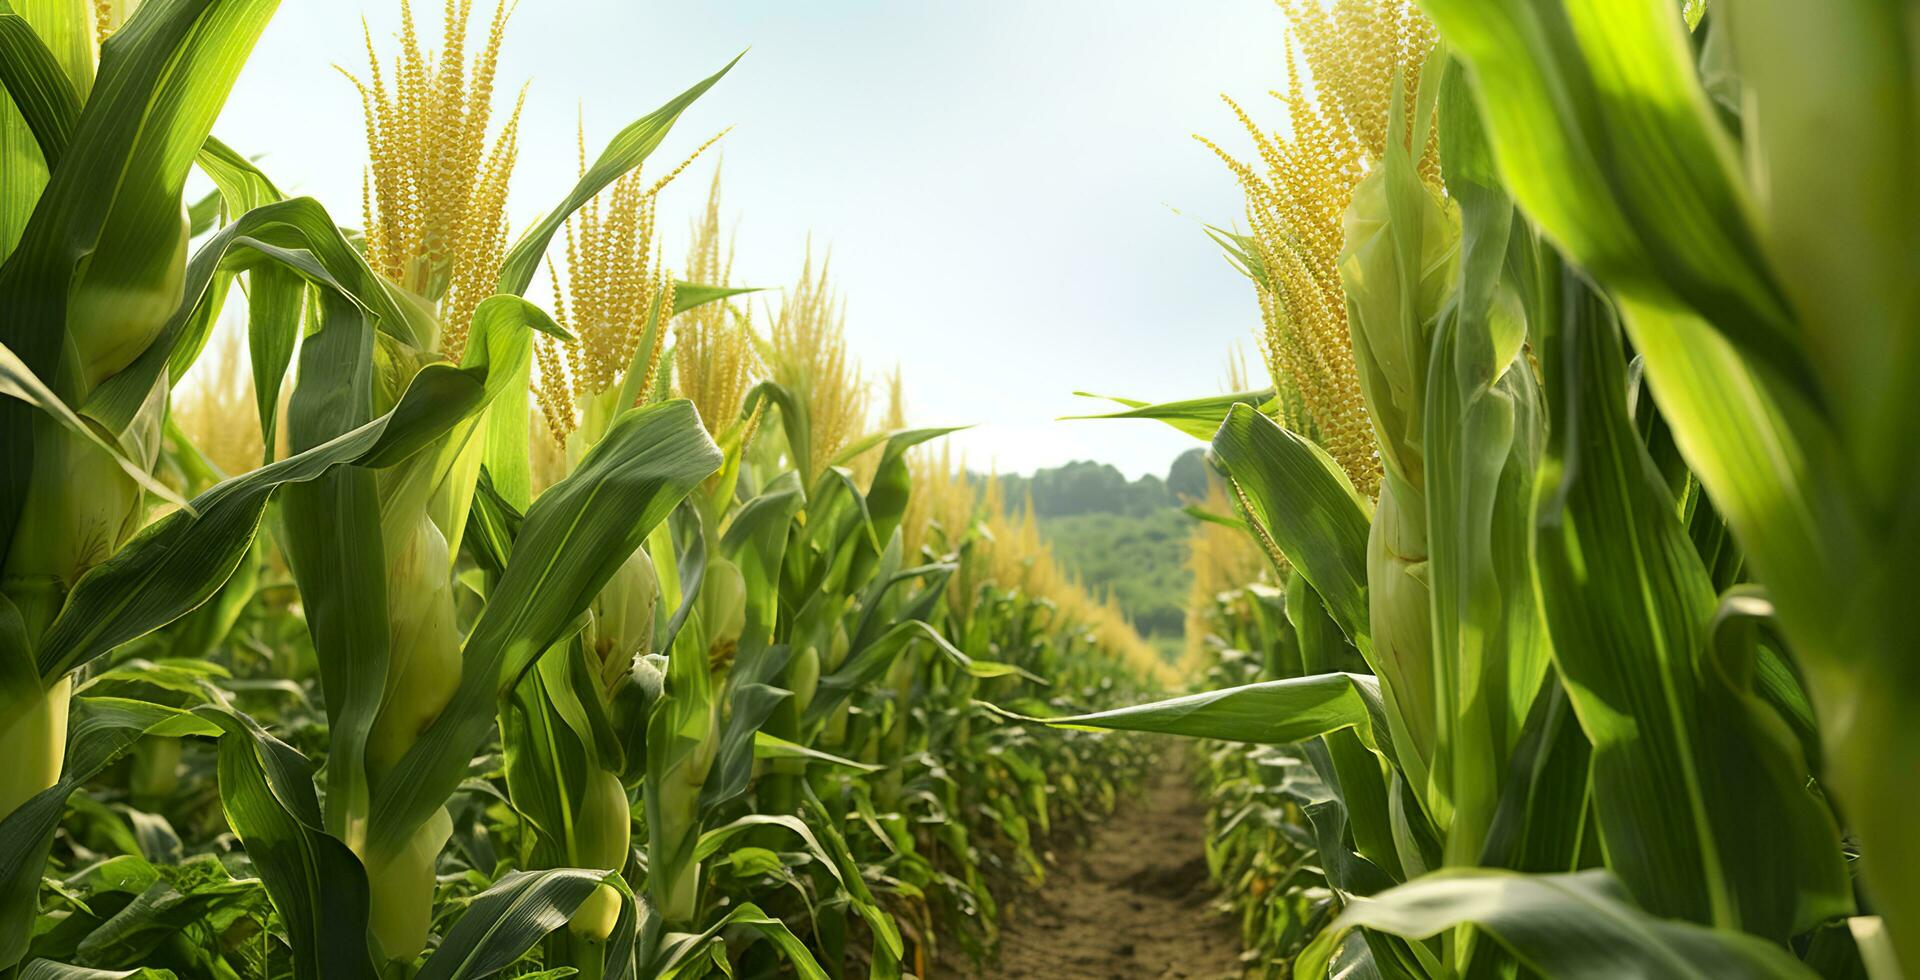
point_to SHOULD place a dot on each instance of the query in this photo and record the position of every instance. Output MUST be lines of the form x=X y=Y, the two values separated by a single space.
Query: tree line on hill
x=1123 y=537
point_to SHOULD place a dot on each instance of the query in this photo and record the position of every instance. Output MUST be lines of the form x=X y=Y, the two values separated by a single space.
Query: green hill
x=1124 y=537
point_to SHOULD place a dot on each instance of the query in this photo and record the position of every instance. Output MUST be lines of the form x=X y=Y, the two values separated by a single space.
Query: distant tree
x=1148 y=495
x=1086 y=487
x=1187 y=478
x=1122 y=537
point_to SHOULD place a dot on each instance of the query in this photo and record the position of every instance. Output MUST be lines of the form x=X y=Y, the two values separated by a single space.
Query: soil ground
x=1135 y=904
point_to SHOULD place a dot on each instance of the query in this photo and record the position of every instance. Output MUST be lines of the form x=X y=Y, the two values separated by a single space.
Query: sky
x=1010 y=189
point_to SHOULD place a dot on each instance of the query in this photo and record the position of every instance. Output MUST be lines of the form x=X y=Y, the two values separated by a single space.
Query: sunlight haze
x=1010 y=191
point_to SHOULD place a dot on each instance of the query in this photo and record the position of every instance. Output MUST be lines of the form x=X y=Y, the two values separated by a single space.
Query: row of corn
x=435 y=630
x=1548 y=609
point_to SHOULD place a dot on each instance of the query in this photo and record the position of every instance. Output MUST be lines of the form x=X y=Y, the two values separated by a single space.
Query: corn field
x=427 y=592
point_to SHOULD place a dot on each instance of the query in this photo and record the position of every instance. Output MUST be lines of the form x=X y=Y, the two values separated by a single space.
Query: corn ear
x=33 y=734
x=603 y=832
x=400 y=890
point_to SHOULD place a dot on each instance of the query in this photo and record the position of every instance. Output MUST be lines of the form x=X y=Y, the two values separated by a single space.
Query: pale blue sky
x=998 y=179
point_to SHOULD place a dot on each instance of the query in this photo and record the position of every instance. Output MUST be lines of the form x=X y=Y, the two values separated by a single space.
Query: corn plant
x=583 y=727
x=410 y=709
x=98 y=333
x=1565 y=670
x=1765 y=303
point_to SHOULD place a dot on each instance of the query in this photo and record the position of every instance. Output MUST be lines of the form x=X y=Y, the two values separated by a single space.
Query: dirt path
x=1134 y=905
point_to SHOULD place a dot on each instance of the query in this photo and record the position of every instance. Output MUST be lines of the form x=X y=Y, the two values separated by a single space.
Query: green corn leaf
x=297 y=234
x=317 y=884
x=879 y=611
x=1197 y=417
x=242 y=185
x=1301 y=501
x=163 y=77
x=203 y=214
x=1568 y=927
x=1699 y=789
x=39 y=88
x=885 y=929
x=899 y=441
x=766 y=746
x=162 y=911
x=571 y=542
x=712 y=841
x=887 y=495
x=756 y=542
x=876 y=610
x=547 y=764
x=1820 y=84
x=1610 y=143
x=1484 y=432
x=500 y=339
x=1541 y=818
x=333 y=534
x=686 y=536
x=511 y=452
x=275 y=297
x=505 y=921
x=17 y=381
x=101 y=730
x=179 y=561
x=50 y=970
x=1776 y=678
x=274 y=294
x=623 y=153
x=866 y=666
x=793 y=421
x=66 y=31
x=492 y=524
x=1349 y=766
x=1776 y=471
x=330 y=530
x=1267 y=713
x=1349 y=873
x=752 y=697
x=679 y=949
x=693 y=295
x=1200 y=513
x=1606 y=139
x=851 y=527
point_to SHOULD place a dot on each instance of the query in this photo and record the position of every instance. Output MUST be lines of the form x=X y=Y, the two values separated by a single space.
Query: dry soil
x=1135 y=903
